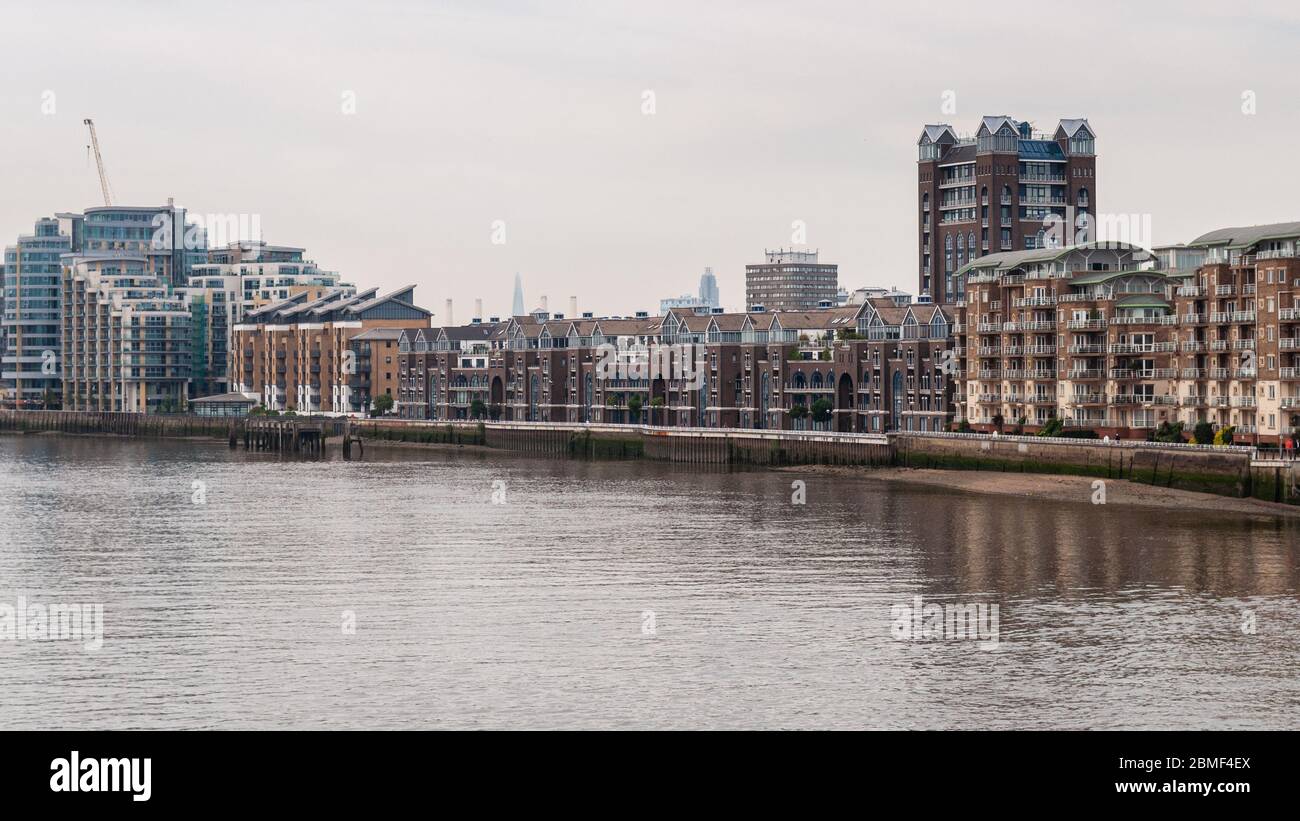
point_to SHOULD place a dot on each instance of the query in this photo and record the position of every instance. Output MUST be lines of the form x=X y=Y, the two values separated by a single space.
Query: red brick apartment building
x=877 y=366
x=991 y=193
x=1101 y=337
x=296 y=354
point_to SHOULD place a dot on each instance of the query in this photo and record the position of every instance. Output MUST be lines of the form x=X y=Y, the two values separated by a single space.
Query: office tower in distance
x=790 y=280
x=709 y=289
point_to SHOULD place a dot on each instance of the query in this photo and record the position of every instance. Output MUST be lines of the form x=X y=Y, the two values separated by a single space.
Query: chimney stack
x=447 y=320
x=573 y=306
x=478 y=308
x=544 y=302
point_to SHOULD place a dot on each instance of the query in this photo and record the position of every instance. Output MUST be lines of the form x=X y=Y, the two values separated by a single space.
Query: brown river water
x=247 y=591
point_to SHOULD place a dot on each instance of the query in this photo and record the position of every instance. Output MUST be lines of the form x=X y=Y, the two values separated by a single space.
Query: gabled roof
x=1070 y=127
x=933 y=133
x=401 y=296
x=992 y=125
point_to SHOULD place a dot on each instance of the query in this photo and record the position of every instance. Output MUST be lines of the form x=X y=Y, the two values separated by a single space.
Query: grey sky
x=531 y=113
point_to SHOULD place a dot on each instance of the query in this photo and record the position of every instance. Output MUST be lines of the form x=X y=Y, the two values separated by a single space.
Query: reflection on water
x=530 y=613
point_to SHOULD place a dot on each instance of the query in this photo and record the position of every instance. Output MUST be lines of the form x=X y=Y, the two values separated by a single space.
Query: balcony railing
x=1149 y=347
x=1086 y=398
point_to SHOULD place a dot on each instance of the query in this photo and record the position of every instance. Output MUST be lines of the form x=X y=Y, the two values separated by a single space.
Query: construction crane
x=99 y=161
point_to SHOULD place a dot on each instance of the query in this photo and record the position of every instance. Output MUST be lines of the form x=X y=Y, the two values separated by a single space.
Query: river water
x=246 y=591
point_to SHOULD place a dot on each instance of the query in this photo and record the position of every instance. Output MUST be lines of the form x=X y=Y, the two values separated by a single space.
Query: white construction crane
x=99 y=161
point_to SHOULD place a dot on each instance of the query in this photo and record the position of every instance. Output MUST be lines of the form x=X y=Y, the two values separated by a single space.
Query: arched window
x=587 y=396
x=947 y=253
x=984 y=195
x=961 y=250
x=800 y=382
x=970 y=243
x=1006 y=195
x=1083 y=198
x=816 y=380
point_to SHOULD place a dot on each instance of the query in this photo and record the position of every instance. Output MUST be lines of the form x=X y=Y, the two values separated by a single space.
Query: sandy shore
x=1060 y=488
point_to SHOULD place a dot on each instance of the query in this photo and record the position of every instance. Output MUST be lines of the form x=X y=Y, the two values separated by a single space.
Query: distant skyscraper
x=709 y=289
x=518 y=309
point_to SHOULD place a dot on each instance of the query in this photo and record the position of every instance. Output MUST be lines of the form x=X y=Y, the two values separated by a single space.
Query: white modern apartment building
x=125 y=340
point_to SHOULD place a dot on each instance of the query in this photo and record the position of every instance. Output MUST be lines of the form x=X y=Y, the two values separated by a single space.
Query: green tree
x=798 y=411
x=634 y=407
x=1224 y=436
x=382 y=404
x=821 y=411
x=477 y=410
x=1051 y=428
x=656 y=410
x=1203 y=433
x=1169 y=432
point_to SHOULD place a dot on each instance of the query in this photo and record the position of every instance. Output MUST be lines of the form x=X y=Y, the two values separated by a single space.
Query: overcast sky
x=533 y=114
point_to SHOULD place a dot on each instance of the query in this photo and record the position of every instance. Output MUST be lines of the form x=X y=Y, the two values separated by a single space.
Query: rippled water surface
x=532 y=613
